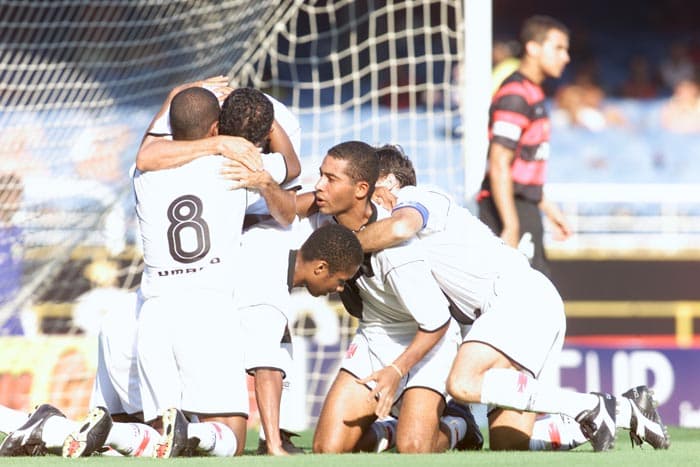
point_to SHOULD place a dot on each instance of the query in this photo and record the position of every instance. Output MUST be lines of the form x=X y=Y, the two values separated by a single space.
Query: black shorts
x=530 y=219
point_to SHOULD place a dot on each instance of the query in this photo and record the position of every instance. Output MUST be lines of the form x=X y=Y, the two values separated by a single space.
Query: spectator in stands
x=584 y=106
x=505 y=61
x=677 y=67
x=681 y=113
x=641 y=82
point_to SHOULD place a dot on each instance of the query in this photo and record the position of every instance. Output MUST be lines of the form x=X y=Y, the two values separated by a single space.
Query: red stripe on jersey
x=528 y=172
x=531 y=92
x=537 y=133
x=511 y=117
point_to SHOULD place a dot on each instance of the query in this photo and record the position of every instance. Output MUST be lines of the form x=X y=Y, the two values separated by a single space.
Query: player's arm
x=306 y=204
x=404 y=223
x=281 y=203
x=562 y=230
x=500 y=160
x=281 y=143
x=416 y=289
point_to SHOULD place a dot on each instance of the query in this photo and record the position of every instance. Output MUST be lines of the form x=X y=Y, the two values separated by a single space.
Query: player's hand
x=242 y=177
x=511 y=236
x=387 y=382
x=384 y=197
x=240 y=150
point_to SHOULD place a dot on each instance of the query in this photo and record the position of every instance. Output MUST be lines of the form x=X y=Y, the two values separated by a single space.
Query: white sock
x=624 y=412
x=215 y=439
x=516 y=390
x=133 y=439
x=457 y=428
x=385 y=432
x=56 y=430
x=11 y=419
x=556 y=432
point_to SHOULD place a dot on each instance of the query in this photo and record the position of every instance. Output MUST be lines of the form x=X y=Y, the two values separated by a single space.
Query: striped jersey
x=518 y=120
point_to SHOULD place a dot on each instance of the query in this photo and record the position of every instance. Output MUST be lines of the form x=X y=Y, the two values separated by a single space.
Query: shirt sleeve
x=416 y=289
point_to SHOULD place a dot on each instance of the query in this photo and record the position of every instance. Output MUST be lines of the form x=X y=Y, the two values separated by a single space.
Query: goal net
x=79 y=84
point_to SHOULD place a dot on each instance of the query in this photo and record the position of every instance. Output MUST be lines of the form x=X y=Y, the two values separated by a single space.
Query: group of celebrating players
x=448 y=314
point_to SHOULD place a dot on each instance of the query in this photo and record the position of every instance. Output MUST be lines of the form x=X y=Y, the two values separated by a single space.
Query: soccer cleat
x=598 y=424
x=27 y=439
x=473 y=440
x=91 y=436
x=287 y=444
x=646 y=424
x=174 y=442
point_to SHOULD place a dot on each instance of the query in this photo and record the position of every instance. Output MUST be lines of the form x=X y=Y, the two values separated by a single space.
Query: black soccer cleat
x=598 y=424
x=27 y=439
x=91 y=436
x=646 y=424
x=287 y=444
x=174 y=442
x=473 y=440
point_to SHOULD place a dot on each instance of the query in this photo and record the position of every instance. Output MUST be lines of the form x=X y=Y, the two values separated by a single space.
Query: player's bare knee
x=409 y=444
x=463 y=389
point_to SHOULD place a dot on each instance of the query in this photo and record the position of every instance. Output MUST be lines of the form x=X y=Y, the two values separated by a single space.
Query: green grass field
x=685 y=450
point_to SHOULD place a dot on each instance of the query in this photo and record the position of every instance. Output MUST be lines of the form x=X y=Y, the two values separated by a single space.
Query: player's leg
x=43 y=432
x=347 y=413
x=11 y=419
x=264 y=328
x=418 y=429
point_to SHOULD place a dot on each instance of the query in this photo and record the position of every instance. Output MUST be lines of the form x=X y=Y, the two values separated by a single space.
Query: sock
x=556 y=432
x=385 y=432
x=11 y=419
x=457 y=428
x=519 y=391
x=624 y=412
x=133 y=439
x=215 y=439
x=56 y=430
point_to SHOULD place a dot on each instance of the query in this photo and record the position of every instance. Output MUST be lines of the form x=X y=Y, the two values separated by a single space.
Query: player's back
x=465 y=256
x=190 y=226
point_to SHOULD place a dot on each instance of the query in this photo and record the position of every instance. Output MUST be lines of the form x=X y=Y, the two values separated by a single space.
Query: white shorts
x=190 y=355
x=524 y=319
x=372 y=349
x=263 y=327
x=116 y=382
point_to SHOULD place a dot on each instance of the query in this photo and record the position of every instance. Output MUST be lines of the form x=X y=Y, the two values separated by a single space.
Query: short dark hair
x=392 y=160
x=362 y=161
x=192 y=112
x=336 y=245
x=247 y=113
x=536 y=28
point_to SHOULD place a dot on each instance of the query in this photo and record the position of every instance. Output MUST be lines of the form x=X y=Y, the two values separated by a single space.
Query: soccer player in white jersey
x=406 y=339
x=253 y=116
x=191 y=223
x=518 y=320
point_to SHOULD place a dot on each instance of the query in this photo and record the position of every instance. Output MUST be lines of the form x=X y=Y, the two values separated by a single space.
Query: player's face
x=554 y=53
x=335 y=190
x=325 y=283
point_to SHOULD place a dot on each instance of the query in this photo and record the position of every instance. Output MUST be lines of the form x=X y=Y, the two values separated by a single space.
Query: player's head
x=395 y=168
x=329 y=257
x=545 y=42
x=247 y=113
x=347 y=177
x=194 y=113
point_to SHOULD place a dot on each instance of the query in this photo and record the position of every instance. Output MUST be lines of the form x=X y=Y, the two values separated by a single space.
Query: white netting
x=79 y=82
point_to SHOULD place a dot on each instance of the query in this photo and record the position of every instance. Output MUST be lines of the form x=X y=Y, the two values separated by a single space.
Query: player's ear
x=214 y=129
x=361 y=189
x=320 y=267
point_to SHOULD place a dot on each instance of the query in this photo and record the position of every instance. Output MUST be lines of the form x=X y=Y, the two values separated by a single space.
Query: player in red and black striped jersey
x=511 y=195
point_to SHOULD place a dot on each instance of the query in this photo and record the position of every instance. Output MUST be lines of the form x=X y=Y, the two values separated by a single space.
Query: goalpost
x=81 y=80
